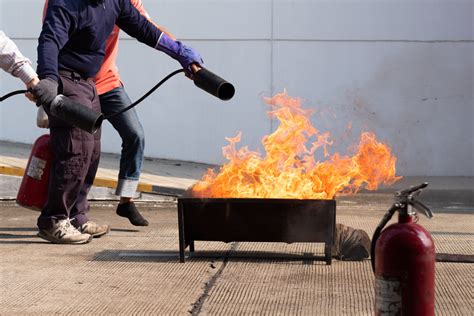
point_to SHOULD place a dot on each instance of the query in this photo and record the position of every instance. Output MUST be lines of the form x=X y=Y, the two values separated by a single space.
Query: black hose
x=146 y=95
x=6 y=96
x=90 y=121
x=387 y=217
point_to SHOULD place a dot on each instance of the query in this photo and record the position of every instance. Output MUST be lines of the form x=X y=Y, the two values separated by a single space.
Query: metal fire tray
x=256 y=220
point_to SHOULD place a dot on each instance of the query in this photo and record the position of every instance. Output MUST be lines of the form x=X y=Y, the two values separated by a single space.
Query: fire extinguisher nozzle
x=76 y=114
x=213 y=84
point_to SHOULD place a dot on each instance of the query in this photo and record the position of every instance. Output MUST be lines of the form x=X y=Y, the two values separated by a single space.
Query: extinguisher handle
x=422 y=208
x=411 y=190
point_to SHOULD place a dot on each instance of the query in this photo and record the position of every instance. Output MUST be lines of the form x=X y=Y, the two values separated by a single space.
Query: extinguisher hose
x=90 y=121
x=6 y=96
x=203 y=79
x=146 y=95
x=387 y=217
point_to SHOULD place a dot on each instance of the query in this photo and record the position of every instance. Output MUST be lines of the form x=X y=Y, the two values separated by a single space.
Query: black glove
x=45 y=92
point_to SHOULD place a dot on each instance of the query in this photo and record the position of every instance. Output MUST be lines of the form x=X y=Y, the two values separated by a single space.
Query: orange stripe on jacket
x=108 y=77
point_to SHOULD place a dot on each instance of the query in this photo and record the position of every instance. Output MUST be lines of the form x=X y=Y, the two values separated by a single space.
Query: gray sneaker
x=64 y=233
x=94 y=229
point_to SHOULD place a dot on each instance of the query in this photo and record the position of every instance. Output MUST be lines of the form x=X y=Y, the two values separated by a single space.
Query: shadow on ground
x=235 y=256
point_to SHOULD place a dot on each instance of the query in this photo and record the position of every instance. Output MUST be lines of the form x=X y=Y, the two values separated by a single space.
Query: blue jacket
x=75 y=31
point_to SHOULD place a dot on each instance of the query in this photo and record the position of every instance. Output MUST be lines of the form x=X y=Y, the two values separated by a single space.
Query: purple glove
x=185 y=55
x=45 y=91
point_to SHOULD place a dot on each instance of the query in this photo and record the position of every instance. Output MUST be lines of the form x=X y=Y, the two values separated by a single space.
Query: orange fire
x=289 y=169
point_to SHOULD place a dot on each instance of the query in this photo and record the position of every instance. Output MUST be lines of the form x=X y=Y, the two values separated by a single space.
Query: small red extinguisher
x=403 y=259
x=33 y=192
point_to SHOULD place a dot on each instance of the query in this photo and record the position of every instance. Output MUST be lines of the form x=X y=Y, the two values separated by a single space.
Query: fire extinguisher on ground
x=403 y=259
x=33 y=192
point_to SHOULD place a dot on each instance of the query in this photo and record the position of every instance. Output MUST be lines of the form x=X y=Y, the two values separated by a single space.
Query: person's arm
x=13 y=61
x=137 y=26
x=57 y=26
x=139 y=5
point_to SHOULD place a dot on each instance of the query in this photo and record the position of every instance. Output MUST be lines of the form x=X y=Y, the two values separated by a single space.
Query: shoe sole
x=56 y=241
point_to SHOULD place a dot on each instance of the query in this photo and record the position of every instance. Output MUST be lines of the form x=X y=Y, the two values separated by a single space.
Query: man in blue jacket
x=70 y=52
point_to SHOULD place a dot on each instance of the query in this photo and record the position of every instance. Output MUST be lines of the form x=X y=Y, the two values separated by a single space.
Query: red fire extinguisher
x=403 y=260
x=33 y=192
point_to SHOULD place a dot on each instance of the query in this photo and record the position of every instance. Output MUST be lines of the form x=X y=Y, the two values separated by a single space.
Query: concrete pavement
x=137 y=271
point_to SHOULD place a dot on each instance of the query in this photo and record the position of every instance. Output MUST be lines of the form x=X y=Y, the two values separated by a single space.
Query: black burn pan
x=256 y=220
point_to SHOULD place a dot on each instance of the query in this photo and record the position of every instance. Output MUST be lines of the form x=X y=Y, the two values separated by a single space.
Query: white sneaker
x=94 y=229
x=64 y=233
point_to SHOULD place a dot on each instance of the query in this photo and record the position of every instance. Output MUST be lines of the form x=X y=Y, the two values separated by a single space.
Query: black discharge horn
x=213 y=84
x=76 y=114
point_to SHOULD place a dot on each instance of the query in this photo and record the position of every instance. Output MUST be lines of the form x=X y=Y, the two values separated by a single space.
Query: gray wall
x=402 y=68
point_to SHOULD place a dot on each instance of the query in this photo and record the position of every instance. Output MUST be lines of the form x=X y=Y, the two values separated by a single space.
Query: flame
x=289 y=169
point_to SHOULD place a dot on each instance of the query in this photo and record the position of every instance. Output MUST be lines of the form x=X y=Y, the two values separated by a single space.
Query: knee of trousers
x=135 y=138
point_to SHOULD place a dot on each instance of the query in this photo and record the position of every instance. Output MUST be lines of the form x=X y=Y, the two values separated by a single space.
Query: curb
x=107 y=183
x=12 y=171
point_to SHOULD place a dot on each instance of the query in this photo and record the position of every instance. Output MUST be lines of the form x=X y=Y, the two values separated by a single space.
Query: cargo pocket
x=73 y=150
